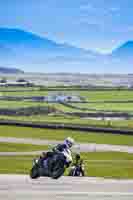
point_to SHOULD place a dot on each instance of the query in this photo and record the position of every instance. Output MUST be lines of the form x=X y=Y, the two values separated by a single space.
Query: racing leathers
x=79 y=164
x=57 y=149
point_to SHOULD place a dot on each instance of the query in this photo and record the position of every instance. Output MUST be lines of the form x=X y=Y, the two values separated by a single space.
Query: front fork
x=35 y=161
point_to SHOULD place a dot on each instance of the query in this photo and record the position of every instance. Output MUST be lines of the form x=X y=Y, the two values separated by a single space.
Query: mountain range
x=10 y=70
x=31 y=52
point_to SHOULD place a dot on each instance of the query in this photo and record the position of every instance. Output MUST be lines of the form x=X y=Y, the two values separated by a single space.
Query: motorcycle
x=53 y=166
x=77 y=170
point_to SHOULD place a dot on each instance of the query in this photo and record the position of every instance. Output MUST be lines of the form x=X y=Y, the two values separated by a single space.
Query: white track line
x=82 y=147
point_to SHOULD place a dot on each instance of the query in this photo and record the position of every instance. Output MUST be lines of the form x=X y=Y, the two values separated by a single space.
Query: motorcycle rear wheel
x=57 y=169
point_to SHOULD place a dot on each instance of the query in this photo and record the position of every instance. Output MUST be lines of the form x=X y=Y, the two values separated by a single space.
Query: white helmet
x=69 y=142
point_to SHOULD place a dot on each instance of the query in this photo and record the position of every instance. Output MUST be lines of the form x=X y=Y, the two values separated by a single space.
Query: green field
x=11 y=147
x=64 y=108
x=90 y=95
x=106 y=106
x=55 y=134
x=119 y=107
x=24 y=93
x=17 y=88
x=106 y=164
x=109 y=164
x=113 y=165
x=20 y=104
x=67 y=119
x=107 y=95
x=24 y=104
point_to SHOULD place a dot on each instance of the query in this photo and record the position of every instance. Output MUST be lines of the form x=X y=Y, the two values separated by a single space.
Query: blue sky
x=100 y=25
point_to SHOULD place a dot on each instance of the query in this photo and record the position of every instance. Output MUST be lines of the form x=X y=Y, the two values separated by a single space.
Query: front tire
x=34 y=172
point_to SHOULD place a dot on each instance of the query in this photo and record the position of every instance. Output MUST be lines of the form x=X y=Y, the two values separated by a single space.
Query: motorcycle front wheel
x=34 y=173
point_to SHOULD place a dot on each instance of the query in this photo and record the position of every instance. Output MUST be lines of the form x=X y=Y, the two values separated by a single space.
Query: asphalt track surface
x=67 y=127
x=82 y=147
x=21 y=187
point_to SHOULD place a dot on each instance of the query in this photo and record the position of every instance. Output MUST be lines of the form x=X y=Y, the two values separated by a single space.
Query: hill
x=7 y=70
x=32 y=51
x=39 y=54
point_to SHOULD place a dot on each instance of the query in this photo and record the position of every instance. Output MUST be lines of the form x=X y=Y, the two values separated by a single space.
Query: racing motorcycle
x=53 y=166
x=77 y=170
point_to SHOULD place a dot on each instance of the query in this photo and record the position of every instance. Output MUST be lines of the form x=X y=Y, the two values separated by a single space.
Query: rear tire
x=57 y=169
x=71 y=172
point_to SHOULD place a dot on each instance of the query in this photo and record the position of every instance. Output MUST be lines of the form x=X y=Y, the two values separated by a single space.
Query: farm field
x=61 y=117
x=106 y=106
x=107 y=95
x=24 y=93
x=123 y=107
x=90 y=95
x=24 y=104
x=17 y=88
x=20 y=104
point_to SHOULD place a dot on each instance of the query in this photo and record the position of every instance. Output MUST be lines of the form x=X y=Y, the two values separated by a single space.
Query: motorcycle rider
x=78 y=163
x=66 y=145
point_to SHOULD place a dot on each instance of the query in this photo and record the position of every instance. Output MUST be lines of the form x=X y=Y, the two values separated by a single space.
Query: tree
x=20 y=80
x=3 y=80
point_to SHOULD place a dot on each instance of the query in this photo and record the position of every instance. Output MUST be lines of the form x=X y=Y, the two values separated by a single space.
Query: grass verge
x=67 y=119
x=106 y=164
x=56 y=134
x=109 y=164
x=11 y=147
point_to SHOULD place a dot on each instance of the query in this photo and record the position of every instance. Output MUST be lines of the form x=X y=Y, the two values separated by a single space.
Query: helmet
x=69 y=142
x=77 y=156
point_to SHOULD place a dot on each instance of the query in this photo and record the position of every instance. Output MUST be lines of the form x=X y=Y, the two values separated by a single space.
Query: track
x=82 y=147
x=14 y=187
x=83 y=128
